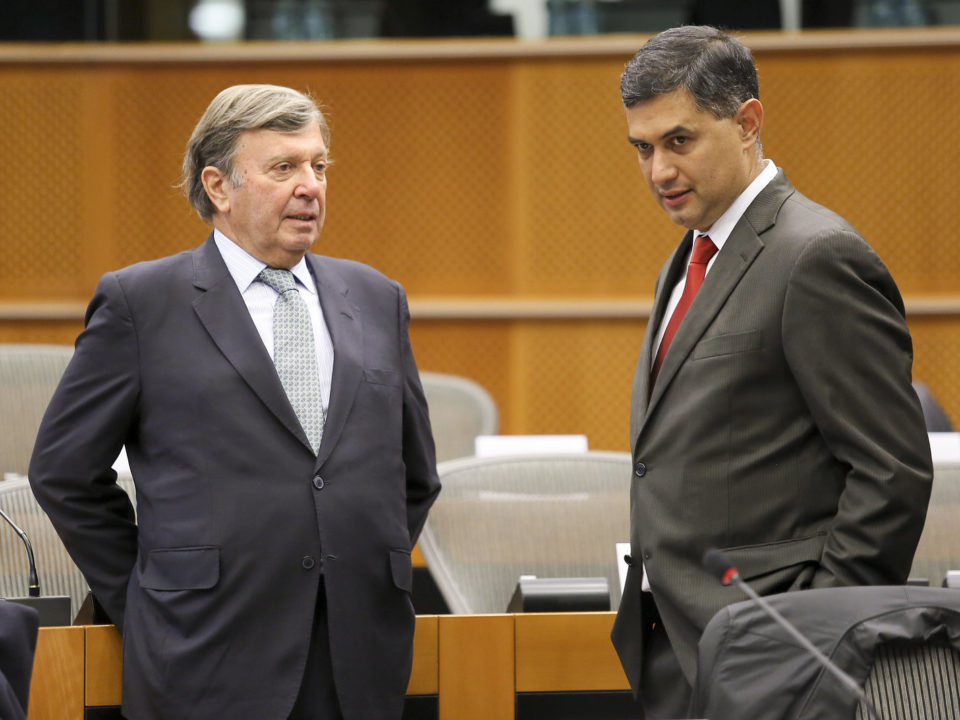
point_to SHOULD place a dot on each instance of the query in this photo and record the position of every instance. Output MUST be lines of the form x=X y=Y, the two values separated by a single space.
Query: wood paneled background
x=493 y=179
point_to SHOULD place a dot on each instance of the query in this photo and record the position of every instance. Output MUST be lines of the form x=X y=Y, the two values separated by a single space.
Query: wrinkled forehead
x=263 y=143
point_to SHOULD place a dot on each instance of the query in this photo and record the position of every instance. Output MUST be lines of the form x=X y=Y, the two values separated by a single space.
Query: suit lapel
x=225 y=316
x=346 y=331
x=665 y=283
x=739 y=252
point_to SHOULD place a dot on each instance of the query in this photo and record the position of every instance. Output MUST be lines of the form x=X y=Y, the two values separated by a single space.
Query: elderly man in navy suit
x=278 y=439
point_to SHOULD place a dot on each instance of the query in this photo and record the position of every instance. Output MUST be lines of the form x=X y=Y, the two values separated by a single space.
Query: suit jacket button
x=308 y=562
x=639 y=469
x=318 y=482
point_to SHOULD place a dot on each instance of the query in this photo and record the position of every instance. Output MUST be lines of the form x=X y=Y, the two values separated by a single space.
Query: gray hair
x=233 y=111
x=714 y=67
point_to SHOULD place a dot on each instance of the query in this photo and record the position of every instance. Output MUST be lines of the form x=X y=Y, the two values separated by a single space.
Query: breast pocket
x=381 y=377
x=729 y=344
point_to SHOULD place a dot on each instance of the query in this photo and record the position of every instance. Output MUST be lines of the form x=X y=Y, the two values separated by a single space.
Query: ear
x=214 y=183
x=750 y=119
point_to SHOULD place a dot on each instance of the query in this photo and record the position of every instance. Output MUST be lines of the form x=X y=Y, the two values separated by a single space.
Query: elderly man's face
x=276 y=211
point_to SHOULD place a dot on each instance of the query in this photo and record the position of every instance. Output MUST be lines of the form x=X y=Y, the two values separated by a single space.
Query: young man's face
x=694 y=164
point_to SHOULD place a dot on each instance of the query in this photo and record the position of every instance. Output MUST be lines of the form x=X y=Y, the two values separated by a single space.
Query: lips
x=303 y=217
x=674 y=198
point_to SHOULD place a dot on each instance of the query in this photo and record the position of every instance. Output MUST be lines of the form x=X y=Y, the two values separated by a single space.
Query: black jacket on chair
x=750 y=667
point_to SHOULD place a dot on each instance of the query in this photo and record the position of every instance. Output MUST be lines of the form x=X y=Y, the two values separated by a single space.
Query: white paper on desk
x=945 y=446
x=491 y=445
x=623 y=549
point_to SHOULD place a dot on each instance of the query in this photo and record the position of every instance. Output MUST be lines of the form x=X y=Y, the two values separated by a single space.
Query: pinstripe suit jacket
x=782 y=427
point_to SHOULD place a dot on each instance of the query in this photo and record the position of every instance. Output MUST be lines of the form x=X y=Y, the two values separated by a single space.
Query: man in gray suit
x=772 y=411
x=278 y=438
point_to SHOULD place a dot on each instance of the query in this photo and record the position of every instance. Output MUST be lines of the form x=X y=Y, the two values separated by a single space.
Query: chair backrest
x=546 y=515
x=934 y=416
x=939 y=548
x=28 y=376
x=460 y=409
x=913 y=681
x=884 y=638
x=56 y=570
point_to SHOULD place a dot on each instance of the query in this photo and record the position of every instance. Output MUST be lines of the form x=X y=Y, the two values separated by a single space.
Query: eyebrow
x=675 y=130
x=292 y=157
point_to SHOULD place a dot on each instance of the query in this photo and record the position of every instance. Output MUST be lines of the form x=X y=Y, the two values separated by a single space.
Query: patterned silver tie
x=295 y=353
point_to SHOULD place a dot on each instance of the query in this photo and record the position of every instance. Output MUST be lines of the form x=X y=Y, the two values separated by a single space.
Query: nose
x=662 y=169
x=310 y=185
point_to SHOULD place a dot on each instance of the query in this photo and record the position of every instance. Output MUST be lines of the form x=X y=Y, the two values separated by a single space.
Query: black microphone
x=33 y=582
x=718 y=564
x=51 y=610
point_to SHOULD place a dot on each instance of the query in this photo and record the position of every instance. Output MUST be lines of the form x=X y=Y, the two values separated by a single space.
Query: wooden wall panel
x=936 y=359
x=494 y=176
x=53 y=332
x=547 y=376
x=504 y=175
x=871 y=134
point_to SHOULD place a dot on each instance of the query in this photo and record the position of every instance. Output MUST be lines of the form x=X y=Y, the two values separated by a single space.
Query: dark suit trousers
x=318 y=696
x=664 y=691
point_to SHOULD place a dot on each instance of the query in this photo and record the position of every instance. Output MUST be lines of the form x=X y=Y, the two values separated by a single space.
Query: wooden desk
x=474 y=664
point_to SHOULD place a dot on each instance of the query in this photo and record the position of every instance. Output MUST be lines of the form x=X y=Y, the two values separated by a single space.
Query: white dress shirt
x=260 y=299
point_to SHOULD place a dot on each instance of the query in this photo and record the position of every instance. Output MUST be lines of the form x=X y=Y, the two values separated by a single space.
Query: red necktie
x=703 y=250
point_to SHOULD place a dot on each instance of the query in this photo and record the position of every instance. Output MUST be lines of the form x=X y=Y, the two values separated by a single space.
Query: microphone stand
x=33 y=582
x=52 y=610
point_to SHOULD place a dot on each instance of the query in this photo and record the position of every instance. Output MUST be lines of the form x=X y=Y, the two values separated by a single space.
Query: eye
x=680 y=140
x=642 y=148
x=320 y=168
x=283 y=167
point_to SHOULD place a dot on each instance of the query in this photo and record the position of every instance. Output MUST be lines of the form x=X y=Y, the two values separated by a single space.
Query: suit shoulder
x=150 y=283
x=814 y=218
x=356 y=273
x=163 y=267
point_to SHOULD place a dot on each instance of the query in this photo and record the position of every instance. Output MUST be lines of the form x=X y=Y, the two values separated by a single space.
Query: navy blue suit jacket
x=214 y=587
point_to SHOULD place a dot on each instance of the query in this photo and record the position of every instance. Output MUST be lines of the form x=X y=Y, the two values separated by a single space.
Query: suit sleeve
x=848 y=346
x=419 y=453
x=87 y=422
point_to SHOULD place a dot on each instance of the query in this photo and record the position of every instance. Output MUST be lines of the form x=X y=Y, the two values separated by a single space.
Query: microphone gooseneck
x=33 y=581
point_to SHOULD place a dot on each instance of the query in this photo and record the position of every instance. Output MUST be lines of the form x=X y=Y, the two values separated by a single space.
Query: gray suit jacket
x=782 y=427
x=214 y=587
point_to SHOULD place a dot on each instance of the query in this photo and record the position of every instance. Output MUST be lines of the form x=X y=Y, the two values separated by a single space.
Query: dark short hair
x=714 y=67
x=233 y=111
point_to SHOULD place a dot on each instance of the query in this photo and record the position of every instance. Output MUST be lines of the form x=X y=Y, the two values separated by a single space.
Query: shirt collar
x=725 y=223
x=244 y=267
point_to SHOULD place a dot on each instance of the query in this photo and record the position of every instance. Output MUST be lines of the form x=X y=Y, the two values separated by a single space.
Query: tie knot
x=703 y=250
x=277 y=278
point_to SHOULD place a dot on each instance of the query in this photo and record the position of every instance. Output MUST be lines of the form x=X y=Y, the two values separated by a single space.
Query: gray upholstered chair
x=460 y=409
x=939 y=547
x=934 y=416
x=546 y=515
x=28 y=376
x=57 y=573
x=900 y=645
